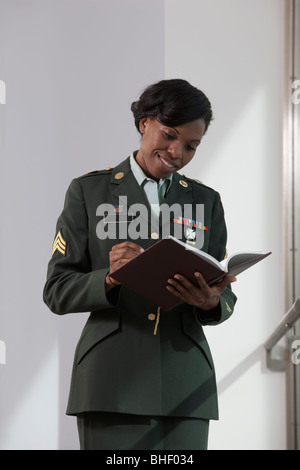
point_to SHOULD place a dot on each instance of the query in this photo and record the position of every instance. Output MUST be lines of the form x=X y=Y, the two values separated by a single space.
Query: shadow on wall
x=256 y=356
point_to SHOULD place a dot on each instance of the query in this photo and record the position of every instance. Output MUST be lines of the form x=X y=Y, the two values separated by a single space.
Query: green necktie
x=162 y=190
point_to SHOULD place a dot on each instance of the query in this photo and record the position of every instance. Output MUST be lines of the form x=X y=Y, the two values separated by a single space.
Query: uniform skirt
x=118 y=431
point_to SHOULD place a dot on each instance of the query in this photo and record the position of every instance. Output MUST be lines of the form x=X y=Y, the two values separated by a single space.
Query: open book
x=148 y=273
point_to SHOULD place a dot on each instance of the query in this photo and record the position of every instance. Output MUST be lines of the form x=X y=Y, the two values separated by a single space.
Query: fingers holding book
x=200 y=295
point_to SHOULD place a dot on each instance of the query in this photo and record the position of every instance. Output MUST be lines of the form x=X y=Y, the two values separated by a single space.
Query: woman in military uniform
x=131 y=388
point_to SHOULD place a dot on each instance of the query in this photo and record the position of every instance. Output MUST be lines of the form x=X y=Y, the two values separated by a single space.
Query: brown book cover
x=148 y=273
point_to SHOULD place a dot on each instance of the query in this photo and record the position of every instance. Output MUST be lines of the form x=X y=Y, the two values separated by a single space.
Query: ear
x=143 y=124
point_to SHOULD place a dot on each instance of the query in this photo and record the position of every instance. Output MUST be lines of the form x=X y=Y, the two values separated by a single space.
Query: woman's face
x=164 y=149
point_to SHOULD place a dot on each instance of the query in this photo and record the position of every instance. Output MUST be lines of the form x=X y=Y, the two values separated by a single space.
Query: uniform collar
x=140 y=175
x=181 y=188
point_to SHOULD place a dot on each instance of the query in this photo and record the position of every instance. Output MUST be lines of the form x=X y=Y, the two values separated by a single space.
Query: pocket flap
x=109 y=322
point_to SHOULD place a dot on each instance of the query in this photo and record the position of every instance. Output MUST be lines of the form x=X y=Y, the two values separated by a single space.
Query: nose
x=175 y=150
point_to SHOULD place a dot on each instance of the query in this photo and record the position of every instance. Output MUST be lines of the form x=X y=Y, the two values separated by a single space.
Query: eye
x=169 y=136
x=190 y=148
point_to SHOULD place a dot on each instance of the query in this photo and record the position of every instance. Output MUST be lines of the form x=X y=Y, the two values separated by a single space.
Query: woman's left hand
x=200 y=295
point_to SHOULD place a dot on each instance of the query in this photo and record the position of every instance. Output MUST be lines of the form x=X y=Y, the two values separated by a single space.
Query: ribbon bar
x=190 y=223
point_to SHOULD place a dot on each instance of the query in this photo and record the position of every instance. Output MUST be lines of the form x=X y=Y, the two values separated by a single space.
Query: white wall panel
x=234 y=51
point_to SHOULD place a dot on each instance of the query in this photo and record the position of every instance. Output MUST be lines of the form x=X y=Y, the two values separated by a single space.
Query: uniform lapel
x=178 y=199
x=180 y=191
x=181 y=196
x=131 y=200
x=123 y=183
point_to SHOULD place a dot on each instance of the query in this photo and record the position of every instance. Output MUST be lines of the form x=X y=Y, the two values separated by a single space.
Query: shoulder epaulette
x=194 y=180
x=106 y=171
x=199 y=182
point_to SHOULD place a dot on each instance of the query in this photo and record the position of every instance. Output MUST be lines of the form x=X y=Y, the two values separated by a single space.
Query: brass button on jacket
x=151 y=316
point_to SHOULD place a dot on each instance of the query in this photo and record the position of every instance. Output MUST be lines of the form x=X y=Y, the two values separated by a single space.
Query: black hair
x=173 y=103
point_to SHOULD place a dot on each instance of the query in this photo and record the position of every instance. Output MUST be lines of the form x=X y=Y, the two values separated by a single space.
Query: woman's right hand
x=119 y=255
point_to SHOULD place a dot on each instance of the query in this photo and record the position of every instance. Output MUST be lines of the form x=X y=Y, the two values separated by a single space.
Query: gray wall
x=72 y=69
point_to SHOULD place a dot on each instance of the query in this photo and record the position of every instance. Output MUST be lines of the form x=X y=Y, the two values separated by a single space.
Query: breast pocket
x=97 y=330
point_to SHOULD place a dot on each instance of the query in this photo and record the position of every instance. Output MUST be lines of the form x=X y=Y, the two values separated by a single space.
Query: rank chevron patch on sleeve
x=59 y=244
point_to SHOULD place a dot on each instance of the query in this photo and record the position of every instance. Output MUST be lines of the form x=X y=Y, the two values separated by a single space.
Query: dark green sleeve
x=217 y=248
x=72 y=286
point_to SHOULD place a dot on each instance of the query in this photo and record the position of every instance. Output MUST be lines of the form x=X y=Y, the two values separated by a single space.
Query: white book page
x=201 y=253
x=239 y=258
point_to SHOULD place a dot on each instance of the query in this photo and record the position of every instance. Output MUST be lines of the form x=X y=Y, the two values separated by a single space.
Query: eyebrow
x=193 y=140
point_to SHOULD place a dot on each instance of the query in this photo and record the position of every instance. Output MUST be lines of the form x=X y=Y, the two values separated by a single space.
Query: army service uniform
x=122 y=370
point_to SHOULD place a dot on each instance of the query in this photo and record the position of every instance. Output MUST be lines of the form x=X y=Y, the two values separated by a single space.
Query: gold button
x=151 y=316
x=119 y=176
x=183 y=183
x=154 y=235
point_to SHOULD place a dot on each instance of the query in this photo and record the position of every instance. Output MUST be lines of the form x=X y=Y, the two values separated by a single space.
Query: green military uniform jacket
x=119 y=364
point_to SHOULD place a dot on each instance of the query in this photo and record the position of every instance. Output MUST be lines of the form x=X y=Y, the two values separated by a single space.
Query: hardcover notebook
x=148 y=273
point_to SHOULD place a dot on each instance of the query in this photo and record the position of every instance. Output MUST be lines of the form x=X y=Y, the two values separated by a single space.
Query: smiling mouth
x=166 y=163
